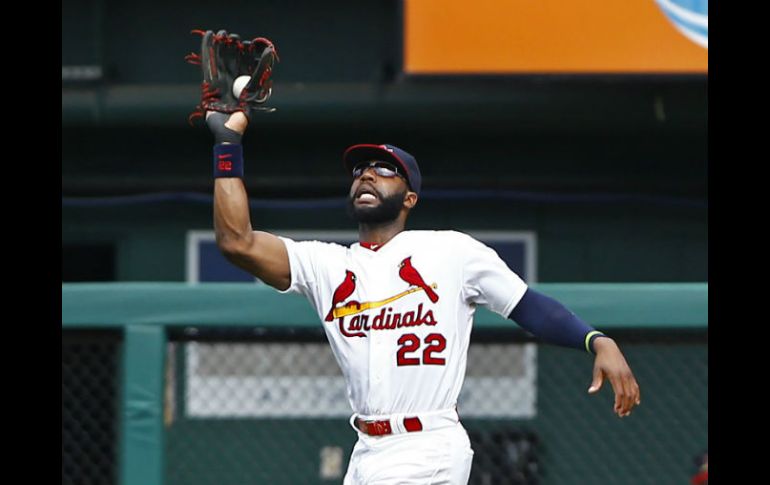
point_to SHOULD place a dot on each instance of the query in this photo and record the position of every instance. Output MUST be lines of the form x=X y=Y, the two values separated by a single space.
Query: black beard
x=387 y=211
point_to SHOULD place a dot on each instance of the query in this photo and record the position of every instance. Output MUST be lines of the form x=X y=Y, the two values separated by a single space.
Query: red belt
x=379 y=428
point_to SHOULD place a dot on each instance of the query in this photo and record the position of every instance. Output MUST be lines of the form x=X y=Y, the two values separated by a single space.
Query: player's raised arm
x=260 y=253
x=237 y=83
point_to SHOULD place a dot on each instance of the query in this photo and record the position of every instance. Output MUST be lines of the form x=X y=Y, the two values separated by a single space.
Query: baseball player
x=397 y=306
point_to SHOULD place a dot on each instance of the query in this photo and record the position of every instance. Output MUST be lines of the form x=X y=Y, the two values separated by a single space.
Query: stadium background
x=608 y=169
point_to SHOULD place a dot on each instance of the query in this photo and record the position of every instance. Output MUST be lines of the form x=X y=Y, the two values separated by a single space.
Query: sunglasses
x=382 y=169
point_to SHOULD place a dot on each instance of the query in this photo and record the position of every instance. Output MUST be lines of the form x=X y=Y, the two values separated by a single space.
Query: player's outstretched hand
x=611 y=364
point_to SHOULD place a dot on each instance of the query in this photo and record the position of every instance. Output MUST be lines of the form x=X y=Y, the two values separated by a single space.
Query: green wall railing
x=145 y=311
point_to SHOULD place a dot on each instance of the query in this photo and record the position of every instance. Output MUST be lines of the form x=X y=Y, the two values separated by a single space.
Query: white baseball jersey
x=399 y=317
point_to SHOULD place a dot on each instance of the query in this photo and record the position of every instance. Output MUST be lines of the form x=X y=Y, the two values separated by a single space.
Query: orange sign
x=545 y=36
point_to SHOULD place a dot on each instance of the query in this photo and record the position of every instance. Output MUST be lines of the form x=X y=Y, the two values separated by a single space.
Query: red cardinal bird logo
x=342 y=292
x=412 y=276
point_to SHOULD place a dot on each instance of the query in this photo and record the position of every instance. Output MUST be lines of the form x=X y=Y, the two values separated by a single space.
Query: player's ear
x=410 y=199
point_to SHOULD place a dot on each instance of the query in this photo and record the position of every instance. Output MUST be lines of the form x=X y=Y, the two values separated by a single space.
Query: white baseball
x=239 y=83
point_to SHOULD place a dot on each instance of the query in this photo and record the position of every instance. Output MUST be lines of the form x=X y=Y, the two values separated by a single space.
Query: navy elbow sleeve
x=552 y=322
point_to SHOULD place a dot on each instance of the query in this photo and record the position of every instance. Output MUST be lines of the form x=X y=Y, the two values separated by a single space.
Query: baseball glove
x=223 y=58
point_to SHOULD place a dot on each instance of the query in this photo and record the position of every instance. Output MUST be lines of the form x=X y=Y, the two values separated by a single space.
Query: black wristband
x=228 y=160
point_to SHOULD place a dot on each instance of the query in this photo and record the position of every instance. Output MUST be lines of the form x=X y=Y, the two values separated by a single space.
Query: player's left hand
x=611 y=364
x=225 y=58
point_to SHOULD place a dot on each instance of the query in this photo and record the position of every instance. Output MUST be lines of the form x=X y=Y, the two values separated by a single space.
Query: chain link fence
x=244 y=411
x=90 y=407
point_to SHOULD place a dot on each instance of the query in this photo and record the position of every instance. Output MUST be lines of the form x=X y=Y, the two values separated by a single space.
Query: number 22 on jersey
x=435 y=343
